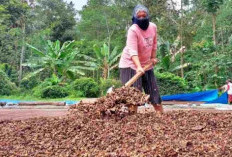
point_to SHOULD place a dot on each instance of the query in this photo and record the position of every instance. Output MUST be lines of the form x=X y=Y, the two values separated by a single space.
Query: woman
x=228 y=88
x=141 y=49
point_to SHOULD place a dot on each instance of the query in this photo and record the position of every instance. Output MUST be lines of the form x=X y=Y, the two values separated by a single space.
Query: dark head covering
x=143 y=23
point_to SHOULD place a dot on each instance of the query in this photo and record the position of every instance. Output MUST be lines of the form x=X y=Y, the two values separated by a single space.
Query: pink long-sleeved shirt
x=141 y=43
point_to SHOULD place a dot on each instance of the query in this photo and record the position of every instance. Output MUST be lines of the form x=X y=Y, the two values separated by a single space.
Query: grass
x=33 y=98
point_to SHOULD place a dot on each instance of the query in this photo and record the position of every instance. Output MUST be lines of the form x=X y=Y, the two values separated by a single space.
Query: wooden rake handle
x=137 y=75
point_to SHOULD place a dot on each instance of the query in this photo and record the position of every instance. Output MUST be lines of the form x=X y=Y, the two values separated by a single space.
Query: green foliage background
x=88 y=86
x=6 y=86
x=171 y=84
x=100 y=27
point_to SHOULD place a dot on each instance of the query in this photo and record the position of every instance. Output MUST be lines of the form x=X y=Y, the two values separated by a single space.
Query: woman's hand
x=154 y=61
x=140 y=69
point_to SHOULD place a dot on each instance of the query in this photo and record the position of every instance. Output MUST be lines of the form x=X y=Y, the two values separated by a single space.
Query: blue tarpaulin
x=9 y=101
x=223 y=99
x=209 y=95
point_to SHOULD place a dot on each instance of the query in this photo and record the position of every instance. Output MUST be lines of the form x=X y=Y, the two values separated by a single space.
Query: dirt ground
x=25 y=112
x=30 y=112
x=20 y=114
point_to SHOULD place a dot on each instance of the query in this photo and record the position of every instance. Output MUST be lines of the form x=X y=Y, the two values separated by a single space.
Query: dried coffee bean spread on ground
x=85 y=132
x=114 y=103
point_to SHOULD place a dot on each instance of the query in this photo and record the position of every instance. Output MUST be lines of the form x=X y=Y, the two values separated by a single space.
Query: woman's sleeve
x=132 y=43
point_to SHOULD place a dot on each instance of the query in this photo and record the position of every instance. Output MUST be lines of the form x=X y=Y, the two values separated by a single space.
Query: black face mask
x=142 y=23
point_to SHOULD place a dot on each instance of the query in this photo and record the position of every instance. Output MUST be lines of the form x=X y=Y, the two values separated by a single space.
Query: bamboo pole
x=137 y=75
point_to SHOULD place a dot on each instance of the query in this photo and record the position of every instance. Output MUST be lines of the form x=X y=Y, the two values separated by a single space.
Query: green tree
x=60 y=59
x=224 y=22
x=12 y=26
x=13 y=31
x=58 y=16
x=212 y=6
x=106 y=60
x=104 y=21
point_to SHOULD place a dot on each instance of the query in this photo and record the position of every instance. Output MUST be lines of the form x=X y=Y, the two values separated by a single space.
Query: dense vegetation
x=51 y=50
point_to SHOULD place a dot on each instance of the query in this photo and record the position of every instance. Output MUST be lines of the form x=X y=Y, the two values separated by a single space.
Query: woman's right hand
x=140 y=69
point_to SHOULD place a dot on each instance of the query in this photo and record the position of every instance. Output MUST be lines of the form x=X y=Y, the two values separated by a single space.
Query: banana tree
x=167 y=58
x=106 y=60
x=64 y=61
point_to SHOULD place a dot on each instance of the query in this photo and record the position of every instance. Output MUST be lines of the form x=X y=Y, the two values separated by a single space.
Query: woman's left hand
x=154 y=61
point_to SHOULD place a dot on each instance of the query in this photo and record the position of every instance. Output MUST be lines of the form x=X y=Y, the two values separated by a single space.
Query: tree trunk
x=105 y=71
x=108 y=71
x=14 y=62
x=97 y=74
x=181 y=43
x=182 y=63
x=109 y=43
x=222 y=42
x=214 y=28
x=55 y=71
x=22 y=50
x=215 y=43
